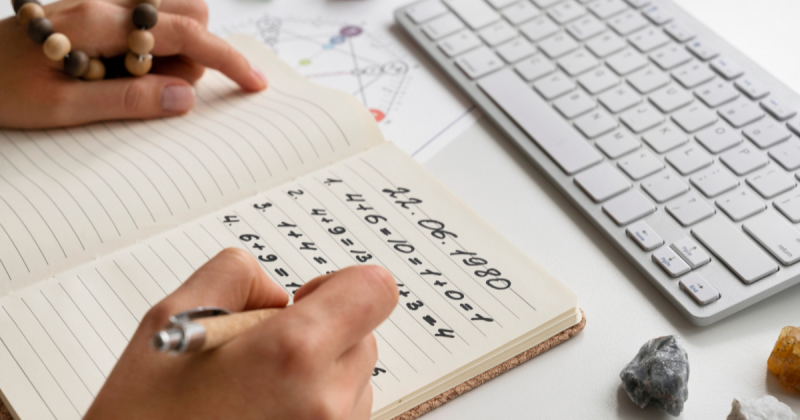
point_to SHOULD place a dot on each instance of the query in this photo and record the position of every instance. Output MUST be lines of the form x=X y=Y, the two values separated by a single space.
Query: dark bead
x=76 y=63
x=145 y=16
x=39 y=29
x=19 y=3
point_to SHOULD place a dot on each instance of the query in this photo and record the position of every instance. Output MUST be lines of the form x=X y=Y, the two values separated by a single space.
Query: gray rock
x=659 y=375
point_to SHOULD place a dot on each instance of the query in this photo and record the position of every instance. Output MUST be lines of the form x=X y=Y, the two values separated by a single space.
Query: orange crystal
x=785 y=358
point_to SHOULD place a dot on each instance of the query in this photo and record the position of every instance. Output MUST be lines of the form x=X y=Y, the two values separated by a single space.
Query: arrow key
x=691 y=252
x=670 y=262
x=698 y=288
x=644 y=236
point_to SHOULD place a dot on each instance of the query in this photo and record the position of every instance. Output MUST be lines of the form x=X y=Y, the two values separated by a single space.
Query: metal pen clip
x=181 y=334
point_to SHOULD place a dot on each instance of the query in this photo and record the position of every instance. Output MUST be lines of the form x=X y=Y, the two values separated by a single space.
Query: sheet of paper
x=355 y=47
x=69 y=195
x=464 y=291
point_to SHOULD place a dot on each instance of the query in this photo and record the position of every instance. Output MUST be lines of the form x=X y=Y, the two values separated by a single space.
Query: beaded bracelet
x=77 y=63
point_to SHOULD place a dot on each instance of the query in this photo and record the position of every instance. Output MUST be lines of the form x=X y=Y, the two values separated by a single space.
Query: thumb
x=149 y=96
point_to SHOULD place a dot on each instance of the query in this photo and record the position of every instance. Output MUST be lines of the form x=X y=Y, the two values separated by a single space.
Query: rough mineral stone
x=659 y=375
x=766 y=408
x=784 y=361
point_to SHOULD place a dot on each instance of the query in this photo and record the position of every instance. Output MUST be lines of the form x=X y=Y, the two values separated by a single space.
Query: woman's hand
x=313 y=360
x=36 y=93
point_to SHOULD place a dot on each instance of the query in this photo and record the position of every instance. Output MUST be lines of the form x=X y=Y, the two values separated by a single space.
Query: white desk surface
x=579 y=379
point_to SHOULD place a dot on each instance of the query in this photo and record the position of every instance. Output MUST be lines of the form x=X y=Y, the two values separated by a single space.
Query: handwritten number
x=338 y=230
x=437 y=228
x=248 y=237
x=415 y=305
x=374 y=218
x=268 y=258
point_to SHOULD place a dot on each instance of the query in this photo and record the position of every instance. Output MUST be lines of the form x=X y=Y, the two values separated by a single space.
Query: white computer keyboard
x=676 y=145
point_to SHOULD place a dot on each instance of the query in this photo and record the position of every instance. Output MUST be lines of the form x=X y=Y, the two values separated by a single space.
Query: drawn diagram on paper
x=412 y=107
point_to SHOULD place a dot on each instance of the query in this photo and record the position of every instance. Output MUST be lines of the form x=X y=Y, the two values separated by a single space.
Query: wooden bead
x=97 y=70
x=155 y=3
x=141 y=42
x=57 y=46
x=29 y=11
x=145 y=16
x=39 y=29
x=76 y=63
x=19 y=3
x=138 y=65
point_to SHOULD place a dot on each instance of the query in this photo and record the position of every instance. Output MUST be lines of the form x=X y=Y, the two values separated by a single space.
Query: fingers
x=311 y=286
x=363 y=407
x=233 y=280
x=344 y=307
x=356 y=366
x=178 y=66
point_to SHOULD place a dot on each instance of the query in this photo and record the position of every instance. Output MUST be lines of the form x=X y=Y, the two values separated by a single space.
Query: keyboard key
x=618 y=143
x=476 y=13
x=641 y=118
x=499 y=4
x=671 y=98
x=699 y=289
x=558 y=45
x=515 y=50
x=716 y=93
x=543 y=4
x=780 y=238
x=574 y=104
x=442 y=26
x=693 y=74
x=479 y=62
x=771 y=182
x=586 y=27
x=657 y=15
x=602 y=182
x=535 y=67
x=638 y=3
x=679 y=32
x=794 y=125
x=744 y=160
x=628 y=207
x=741 y=113
x=520 y=12
x=714 y=181
x=691 y=252
x=671 y=262
x=606 y=8
x=789 y=205
x=497 y=33
x=577 y=62
x=670 y=56
x=702 y=50
x=538 y=28
x=719 y=138
x=541 y=122
x=689 y=160
x=644 y=236
x=627 y=22
x=626 y=61
x=766 y=133
x=598 y=80
x=741 y=204
x=459 y=42
x=423 y=11
x=777 y=109
x=694 y=118
x=726 y=68
x=648 y=79
x=752 y=88
x=595 y=123
x=735 y=250
x=787 y=154
x=664 y=186
x=605 y=44
x=648 y=39
x=689 y=209
x=619 y=98
x=554 y=85
x=566 y=11
x=665 y=138
x=640 y=164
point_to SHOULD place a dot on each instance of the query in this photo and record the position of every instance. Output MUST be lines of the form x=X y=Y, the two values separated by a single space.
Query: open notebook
x=98 y=223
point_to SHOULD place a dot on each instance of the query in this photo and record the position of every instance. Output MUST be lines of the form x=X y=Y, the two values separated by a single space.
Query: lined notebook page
x=464 y=290
x=70 y=195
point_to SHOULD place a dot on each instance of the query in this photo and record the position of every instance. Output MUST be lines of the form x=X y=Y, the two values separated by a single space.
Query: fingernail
x=259 y=74
x=177 y=98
